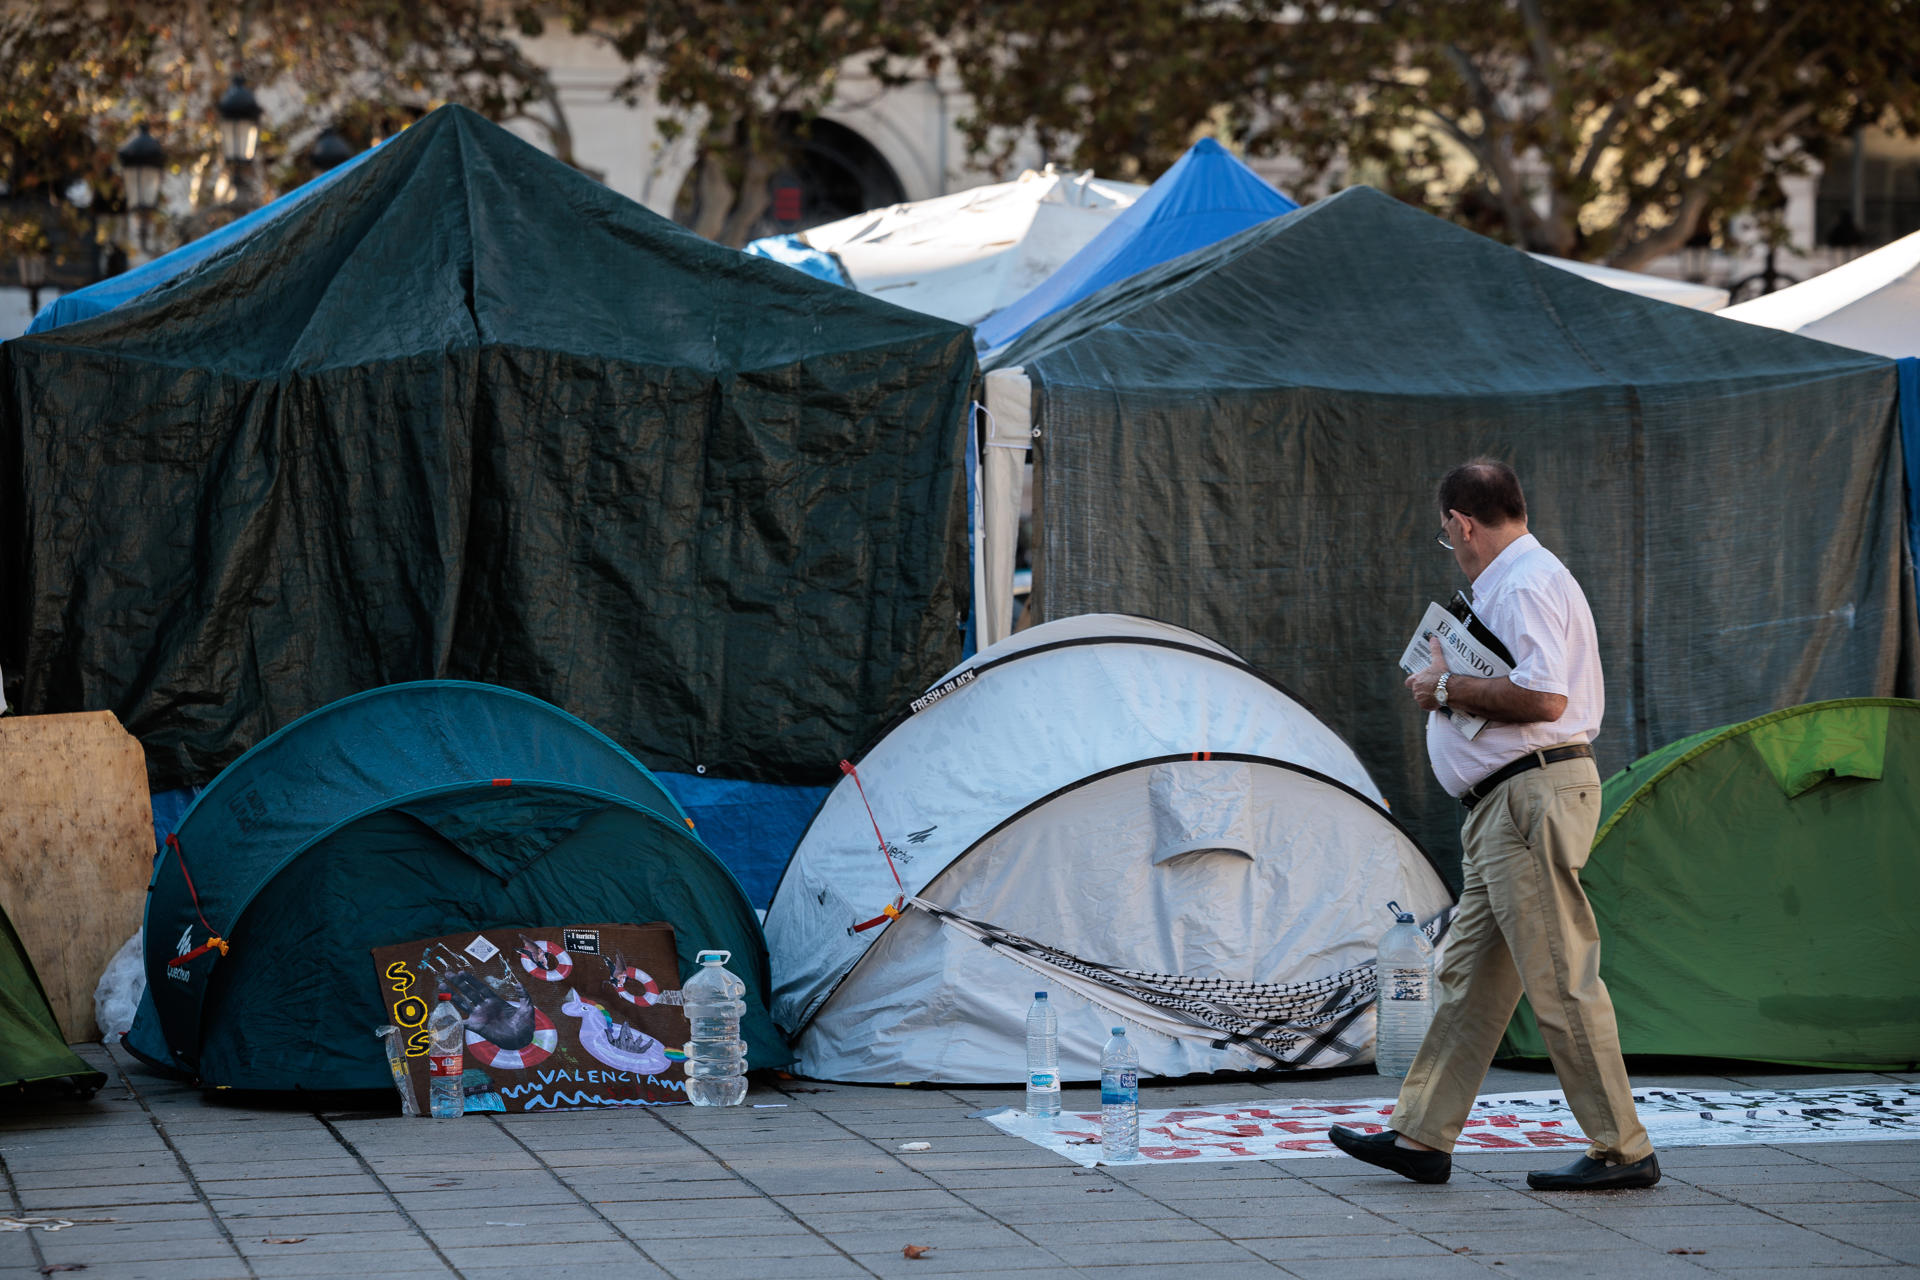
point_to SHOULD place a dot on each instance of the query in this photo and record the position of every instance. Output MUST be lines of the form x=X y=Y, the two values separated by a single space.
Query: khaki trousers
x=1524 y=924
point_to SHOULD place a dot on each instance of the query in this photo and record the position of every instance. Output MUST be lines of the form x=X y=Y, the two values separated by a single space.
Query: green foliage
x=1121 y=88
x=1591 y=128
x=81 y=76
x=1604 y=129
x=22 y=235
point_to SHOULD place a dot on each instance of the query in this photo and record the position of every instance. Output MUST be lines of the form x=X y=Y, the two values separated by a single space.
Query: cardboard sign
x=556 y=1018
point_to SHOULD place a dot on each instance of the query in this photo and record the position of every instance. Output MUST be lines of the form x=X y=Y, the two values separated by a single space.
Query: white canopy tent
x=966 y=255
x=1685 y=293
x=1869 y=304
x=1117 y=810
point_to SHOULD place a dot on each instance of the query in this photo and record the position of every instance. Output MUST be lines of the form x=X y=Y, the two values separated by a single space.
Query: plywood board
x=76 y=850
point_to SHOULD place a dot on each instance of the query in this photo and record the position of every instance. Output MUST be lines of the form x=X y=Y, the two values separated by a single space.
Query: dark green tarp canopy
x=1246 y=440
x=32 y=1049
x=470 y=414
x=1753 y=886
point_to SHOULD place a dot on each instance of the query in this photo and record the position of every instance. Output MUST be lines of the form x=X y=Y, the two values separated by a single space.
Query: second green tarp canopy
x=1245 y=441
x=1754 y=890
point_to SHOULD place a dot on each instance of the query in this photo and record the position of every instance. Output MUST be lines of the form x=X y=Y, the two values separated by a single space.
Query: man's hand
x=1497 y=698
x=1422 y=681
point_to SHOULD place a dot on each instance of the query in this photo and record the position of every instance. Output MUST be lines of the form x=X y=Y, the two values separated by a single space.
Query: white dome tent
x=1122 y=812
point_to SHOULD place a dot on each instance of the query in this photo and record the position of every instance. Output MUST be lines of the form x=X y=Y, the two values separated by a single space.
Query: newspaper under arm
x=1464 y=655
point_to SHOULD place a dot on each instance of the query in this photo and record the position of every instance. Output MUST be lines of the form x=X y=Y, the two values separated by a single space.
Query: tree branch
x=1698 y=190
x=1497 y=155
x=1543 y=56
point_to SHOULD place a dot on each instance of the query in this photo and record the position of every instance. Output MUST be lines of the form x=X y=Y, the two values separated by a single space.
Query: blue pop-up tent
x=1205 y=197
x=83 y=304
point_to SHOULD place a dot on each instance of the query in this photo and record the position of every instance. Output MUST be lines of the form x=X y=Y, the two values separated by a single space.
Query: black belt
x=1552 y=755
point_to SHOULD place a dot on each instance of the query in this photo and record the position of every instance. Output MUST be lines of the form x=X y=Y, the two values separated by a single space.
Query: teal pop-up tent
x=412 y=811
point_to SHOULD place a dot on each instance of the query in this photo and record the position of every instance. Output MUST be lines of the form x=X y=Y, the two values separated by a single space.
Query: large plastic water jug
x=716 y=1056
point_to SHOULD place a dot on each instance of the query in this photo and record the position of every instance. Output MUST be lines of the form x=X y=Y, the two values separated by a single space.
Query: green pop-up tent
x=31 y=1047
x=1753 y=886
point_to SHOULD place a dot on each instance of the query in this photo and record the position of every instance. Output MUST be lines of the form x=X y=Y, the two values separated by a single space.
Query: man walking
x=1532 y=797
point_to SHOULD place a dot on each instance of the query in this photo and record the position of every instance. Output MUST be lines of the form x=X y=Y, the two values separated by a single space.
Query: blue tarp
x=793 y=251
x=1910 y=445
x=753 y=826
x=1205 y=197
x=83 y=304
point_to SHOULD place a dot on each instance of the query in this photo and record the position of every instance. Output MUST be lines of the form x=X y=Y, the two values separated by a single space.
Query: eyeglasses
x=1441 y=538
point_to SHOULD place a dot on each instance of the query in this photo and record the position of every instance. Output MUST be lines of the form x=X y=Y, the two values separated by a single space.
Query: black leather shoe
x=1588 y=1174
x=1379 y=1149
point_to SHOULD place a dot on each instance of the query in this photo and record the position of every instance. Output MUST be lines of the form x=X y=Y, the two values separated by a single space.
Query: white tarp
x=1077 y=713
x=1003 y=473
x=1685 y=293
x=964 y=256
x=1278 y=1129
x=1869 y=304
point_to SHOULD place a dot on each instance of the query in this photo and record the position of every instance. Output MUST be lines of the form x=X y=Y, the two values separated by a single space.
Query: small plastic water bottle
x=1043 y=1060
x=716 y=1056
x=1404 y=1009
x=446 y=1059
x=1119 y=1099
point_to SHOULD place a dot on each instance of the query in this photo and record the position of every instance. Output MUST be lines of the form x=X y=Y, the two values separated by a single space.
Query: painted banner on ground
x=1279 y=1129
x=555 y=1017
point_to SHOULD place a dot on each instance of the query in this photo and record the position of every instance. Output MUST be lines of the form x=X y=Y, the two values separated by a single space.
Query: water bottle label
x=1040 y=1080
x=450 y=1064
x=1119 y=1087
x=1407 y=984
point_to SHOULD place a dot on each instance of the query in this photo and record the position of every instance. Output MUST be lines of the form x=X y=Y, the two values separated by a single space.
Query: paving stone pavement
x=166 y=1182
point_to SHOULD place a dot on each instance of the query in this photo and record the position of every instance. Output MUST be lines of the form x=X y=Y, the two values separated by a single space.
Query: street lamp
x=32 y=265
x=330 y=150
x=141 y=163
x=239 y=122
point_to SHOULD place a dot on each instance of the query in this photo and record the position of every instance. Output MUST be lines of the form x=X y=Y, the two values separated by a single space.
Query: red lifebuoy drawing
x=545 y=960
x=644 y=990
x=545 y=1040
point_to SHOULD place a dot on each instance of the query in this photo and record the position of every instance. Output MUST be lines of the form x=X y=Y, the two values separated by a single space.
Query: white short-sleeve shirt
x=1530 y=600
